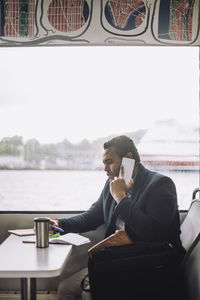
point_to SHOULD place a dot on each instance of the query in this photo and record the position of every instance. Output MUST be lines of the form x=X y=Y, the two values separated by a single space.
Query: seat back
x=190 y=228
x=190 y=237
x=191 y=274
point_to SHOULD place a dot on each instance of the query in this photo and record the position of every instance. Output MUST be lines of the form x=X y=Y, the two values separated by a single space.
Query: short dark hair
x=123 y=144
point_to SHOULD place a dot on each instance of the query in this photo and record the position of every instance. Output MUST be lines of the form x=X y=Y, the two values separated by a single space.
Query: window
x=59 y=104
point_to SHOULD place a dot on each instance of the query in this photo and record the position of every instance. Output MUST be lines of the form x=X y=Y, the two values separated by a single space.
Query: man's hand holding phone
x=119 y=186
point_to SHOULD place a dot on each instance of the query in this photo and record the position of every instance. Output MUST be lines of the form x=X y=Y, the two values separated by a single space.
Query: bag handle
x=85 y=284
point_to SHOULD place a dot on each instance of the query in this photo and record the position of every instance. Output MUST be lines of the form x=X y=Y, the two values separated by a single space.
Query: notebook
x=22 y=232
x=70 y=238
x=66 y=239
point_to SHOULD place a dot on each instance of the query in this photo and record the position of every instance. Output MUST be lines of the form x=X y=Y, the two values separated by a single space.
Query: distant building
x=12 y=162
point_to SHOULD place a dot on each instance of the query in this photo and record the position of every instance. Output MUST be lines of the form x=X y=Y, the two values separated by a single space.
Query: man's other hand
x=53 y=222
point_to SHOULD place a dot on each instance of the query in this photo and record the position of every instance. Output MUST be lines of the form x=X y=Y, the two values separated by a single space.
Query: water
x=70 y=190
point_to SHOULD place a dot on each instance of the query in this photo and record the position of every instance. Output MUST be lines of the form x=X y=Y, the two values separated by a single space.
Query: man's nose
x=105 y=168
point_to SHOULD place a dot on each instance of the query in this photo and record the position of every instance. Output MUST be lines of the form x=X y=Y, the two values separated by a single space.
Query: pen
x=57 y=228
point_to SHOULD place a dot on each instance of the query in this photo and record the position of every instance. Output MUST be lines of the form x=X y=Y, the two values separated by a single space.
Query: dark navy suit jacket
x=150 y=213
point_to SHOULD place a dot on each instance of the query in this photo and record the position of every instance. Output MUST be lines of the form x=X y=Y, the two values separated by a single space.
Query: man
x=146 y=208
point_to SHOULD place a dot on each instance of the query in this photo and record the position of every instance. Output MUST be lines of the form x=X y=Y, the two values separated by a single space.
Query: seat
x=190 y=237
x=191 y=274
x=190 y=228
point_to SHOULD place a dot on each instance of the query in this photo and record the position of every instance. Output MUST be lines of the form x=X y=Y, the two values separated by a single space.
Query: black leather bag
x=137 y=271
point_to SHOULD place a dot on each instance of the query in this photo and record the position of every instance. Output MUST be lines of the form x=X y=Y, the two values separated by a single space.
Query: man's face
x=112 y=162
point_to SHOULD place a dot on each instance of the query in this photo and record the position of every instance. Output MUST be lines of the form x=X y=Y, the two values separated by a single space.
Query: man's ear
x=129 y=155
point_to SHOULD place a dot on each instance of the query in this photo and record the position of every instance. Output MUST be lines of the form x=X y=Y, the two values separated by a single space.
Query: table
x=26 y=261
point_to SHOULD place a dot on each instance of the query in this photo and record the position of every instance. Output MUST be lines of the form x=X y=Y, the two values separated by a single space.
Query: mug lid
x=41 y=219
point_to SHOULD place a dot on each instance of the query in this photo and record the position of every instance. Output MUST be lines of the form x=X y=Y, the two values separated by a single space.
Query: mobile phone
x=128 y=164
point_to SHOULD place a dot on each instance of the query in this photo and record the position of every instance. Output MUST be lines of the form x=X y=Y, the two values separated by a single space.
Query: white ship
x=170 y=146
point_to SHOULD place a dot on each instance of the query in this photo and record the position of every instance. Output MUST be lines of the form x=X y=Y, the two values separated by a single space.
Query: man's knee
x=70 y=288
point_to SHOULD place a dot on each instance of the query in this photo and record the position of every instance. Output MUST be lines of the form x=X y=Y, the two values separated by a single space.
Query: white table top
x=18 y=259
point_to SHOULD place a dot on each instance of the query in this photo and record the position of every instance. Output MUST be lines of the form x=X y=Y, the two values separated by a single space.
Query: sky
x=53 y=93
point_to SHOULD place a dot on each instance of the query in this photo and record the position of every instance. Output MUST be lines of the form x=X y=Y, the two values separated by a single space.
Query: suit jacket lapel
x=139 y=181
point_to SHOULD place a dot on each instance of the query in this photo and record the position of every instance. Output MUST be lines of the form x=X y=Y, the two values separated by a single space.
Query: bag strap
x=85 y=284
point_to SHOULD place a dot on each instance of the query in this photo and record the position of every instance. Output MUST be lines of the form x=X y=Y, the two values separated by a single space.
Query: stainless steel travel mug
x=42 y=232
